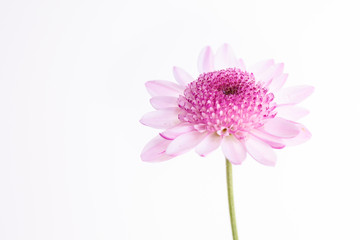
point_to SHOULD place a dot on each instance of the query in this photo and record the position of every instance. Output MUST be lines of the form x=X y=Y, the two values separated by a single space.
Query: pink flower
x=242 y=110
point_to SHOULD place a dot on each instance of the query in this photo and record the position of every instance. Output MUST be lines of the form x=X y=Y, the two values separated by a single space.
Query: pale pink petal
x=161 y=102
x=176 y=131
x=206 y=60
x=280 y=127
x=163 y=88
x=260 y=67
x=271 y=73
x=291 y=112
x=225 y=58
x=242 y=65
x=260 y=151
x=277 y=83
x=154 y=151
x=184 y=143
x=302 y=137
x=233 y=149
x=181 y=76
x=209 y=144
x=293 y=95
x=272 y=141
x=163 y=119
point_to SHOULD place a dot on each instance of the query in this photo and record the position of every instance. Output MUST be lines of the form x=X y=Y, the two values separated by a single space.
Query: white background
x=72 y=92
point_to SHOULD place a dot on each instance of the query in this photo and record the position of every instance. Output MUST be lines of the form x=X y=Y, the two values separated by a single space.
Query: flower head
x=242 y=110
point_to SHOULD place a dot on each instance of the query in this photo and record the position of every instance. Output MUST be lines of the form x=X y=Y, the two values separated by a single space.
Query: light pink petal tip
x=280 y=127
x=261 y=67
x=206 y=60
x=277 y=83
x=184 y=143
x=176 y=131
x=242 y=65
x=225 y=58
x=161 y=102
x=293 y=95
x=163 y=88
x=209 y=144
x=303 y=136
x=181 y=76
x=291 y=112
x=154 y=151
x=260 y=151
x=272 y=141
x=162 y=119
x=233 y=149
x=268 y=75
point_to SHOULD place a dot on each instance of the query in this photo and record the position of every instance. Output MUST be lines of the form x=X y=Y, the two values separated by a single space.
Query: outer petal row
x=206 y=60
x=209 y=144
x=176 y=131
x=303 y=136
x=280 y=127
x=261 y=67
x=162 y=119
x=269 y=74
x=154 y=151
x=258 y=144
x=291 y=112
x=224 y=58
x=233 y=149
x=163 y=88
x=161 y=102
x=184 y=143
x=260 y=151
x=282 y=132
x=272 y=141
x=277 y=83
x=293 y=95
x=181 y=76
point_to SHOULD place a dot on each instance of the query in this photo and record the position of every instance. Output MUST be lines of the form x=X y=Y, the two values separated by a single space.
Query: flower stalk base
x=229 y=181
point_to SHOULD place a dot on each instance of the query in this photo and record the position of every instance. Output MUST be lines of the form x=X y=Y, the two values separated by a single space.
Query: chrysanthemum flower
x=242 y=110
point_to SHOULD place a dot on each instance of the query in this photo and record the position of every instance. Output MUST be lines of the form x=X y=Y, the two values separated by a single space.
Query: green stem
x=229 y=181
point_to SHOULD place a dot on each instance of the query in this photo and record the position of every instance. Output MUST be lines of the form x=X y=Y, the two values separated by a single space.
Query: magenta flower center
x=228 y=101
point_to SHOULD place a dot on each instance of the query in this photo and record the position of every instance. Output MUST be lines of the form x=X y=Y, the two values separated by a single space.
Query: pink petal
x=291 y=112
x=206 y=60
x=209 y=144
x=176 y=131
x=280 y=127
x=161 y=102
x=225 y=58
x=293 y=95
x=302 y=137
x=260 y=67
x=163 y=88
x=268 y=75
x=260 y=151
x=242 y=65
x=272 y=141
x=154 y=151
x=184 y=143
x=182 y=77
x=233 y=149
x=163 y=119
x=277 y=83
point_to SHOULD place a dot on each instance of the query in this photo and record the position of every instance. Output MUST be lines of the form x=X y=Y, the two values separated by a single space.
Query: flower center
x=227 y=101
